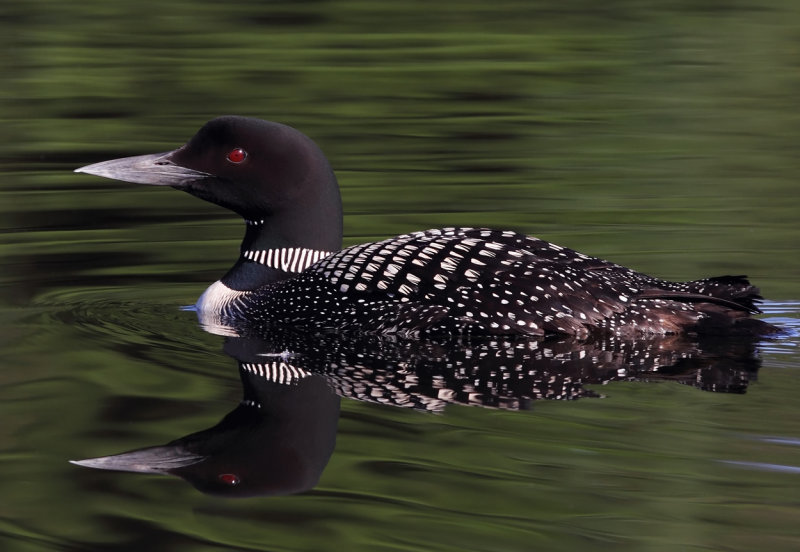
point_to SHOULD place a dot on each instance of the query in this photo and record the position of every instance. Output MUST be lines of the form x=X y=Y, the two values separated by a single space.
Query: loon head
x=272 y=175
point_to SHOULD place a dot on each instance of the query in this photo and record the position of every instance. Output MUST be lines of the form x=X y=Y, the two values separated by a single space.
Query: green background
x=662 y=135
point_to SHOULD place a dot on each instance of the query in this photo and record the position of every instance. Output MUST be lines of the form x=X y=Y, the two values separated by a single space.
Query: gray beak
x=156 y=169
x=147 y=460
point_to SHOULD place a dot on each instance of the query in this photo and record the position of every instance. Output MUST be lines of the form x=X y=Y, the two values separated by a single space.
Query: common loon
x=476 y=281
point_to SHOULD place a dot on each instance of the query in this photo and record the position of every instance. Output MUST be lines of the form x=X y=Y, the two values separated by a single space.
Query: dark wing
x=464 y=280
x=473 y=280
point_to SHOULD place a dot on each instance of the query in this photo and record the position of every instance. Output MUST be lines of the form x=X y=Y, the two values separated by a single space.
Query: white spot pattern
x=479 y=281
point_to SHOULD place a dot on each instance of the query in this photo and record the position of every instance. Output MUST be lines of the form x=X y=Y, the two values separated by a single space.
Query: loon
x=291 y=270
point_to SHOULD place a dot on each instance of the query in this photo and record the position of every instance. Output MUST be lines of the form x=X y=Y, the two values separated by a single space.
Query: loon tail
x=735 y=293
x=727 y=304
x=734 y=289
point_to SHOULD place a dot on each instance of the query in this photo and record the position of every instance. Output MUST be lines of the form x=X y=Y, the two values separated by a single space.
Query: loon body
x=447 y=281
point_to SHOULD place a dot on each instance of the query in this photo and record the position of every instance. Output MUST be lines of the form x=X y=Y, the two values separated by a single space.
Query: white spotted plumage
x=430 y=282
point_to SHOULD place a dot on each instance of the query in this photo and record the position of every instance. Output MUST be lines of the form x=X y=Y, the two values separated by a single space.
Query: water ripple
x=786 y=315
x=764 y=466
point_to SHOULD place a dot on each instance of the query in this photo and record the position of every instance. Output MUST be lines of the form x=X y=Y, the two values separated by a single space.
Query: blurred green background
x=659 y=134
x=662 y=134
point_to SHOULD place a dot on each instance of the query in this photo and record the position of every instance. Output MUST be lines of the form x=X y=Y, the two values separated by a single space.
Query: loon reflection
x=280 y=437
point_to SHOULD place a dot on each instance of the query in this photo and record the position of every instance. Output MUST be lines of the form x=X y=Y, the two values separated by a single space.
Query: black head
x=258 y=169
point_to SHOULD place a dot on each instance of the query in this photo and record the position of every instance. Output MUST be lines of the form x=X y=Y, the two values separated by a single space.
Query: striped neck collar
x=278 y=371
x=288 y=259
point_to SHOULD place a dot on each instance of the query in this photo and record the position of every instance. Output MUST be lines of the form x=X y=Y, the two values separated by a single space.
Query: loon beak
x=160 y=460
x=156 y=169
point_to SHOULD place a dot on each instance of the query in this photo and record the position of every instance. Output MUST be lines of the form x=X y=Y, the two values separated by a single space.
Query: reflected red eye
x=229 y=479
x=237 y=155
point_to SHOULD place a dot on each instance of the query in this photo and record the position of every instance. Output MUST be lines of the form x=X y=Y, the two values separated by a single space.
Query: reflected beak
x=156 y=169
x=159 y=460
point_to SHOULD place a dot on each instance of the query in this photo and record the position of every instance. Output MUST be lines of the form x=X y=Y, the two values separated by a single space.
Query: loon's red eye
x=229 y=479
x=237 y=155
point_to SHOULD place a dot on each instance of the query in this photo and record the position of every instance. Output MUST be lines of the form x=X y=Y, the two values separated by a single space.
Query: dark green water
x=662 y=135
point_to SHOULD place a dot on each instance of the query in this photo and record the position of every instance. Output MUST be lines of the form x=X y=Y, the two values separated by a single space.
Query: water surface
x=659 y=135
